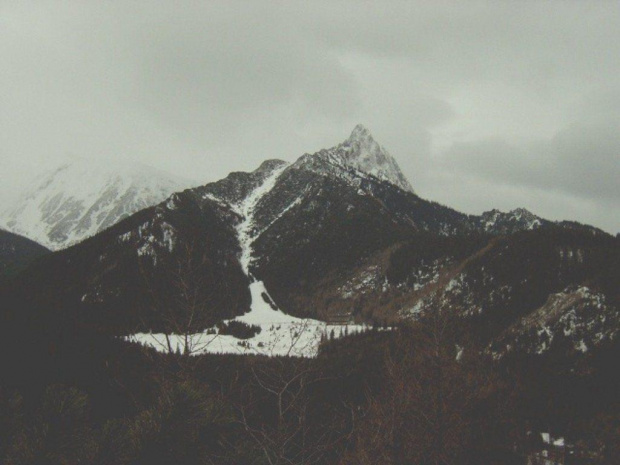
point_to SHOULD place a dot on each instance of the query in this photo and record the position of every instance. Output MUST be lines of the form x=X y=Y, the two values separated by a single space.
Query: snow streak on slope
x=280 y=334
x=246 y=231
x=81 y=198
x=262 y=310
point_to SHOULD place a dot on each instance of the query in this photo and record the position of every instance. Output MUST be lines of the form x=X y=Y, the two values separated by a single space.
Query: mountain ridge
x=326 y=241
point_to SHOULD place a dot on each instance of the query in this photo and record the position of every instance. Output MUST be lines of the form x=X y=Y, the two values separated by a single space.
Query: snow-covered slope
x=246 y=230
x=79 y=199
x=520 y=219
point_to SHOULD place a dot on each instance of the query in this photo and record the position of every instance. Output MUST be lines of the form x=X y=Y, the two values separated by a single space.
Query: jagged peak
x=364 y=153
x=520 y=218
x=360 y=132
x=361 y=153
x=364 y=144
x=520 y=211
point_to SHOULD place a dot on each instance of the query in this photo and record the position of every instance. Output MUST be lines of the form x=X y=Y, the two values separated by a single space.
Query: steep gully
x=261 y=311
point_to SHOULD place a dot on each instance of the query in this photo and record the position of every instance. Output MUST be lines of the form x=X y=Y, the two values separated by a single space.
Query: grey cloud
x=582 y=160
x=484 y=104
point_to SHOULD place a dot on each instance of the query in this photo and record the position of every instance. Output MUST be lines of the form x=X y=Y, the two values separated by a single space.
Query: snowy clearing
x=299 y=338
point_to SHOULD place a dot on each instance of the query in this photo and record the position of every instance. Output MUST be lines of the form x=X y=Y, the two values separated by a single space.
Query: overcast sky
x=484 y=104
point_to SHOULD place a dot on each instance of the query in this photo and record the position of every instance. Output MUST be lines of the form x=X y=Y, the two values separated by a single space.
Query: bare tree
x=276 y=408
x=181 y=301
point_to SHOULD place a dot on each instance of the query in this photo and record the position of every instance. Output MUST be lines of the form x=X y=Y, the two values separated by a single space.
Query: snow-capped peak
x=360 y=133
x=360 y=153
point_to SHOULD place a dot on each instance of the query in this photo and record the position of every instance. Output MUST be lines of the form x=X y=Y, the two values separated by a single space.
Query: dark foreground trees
x=287 y=420
x=408 y=396
x=432 y=408
x=185 y=425
x=396 y=397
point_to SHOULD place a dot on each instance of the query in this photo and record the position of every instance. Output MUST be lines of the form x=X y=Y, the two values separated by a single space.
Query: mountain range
x=336 y=236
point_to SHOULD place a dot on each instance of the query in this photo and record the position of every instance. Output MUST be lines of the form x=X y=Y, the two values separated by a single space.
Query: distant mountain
x=16 y=252
x=339 y=235
x=82 y=198
x=520 y=219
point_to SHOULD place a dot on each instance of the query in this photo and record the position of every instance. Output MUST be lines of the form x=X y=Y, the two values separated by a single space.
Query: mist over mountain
x=78 y=199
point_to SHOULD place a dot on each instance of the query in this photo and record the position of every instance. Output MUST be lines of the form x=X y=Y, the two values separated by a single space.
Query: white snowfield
x=261 y=310
x=299 y=338
x=281 y=334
